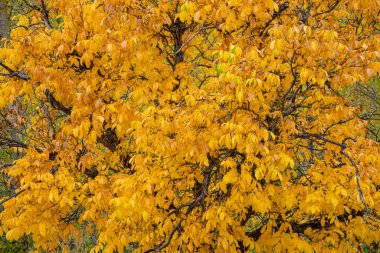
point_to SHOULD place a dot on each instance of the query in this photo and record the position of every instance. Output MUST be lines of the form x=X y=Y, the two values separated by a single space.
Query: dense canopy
x=191 y=126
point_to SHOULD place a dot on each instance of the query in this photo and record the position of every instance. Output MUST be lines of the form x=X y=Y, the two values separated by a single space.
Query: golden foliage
x=194 y=125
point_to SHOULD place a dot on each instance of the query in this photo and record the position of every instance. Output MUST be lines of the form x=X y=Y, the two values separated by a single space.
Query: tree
x=4 y=19
x=193 y=125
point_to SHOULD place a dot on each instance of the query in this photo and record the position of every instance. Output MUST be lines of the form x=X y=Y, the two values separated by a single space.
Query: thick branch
x=45 y=14
x=361 y=196
x=12 y=73
x=57 y=105
x=109 y=139
x=5 y=141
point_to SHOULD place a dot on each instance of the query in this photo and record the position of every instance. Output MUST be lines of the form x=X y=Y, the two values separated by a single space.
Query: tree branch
x=5 y=141
x=164 y=245
x=193 y=36
x=196 y=202
x=43 y=10
x=343 y=146
x=331 y=8
x=11 y=197
x=275 y=15
x=57 y=105
x=12 y=73
x=5 y=165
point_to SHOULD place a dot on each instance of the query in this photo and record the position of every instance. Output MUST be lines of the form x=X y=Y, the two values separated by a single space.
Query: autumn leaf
x=194 y=126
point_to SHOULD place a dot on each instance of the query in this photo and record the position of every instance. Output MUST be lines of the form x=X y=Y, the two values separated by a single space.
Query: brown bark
x=4 y=19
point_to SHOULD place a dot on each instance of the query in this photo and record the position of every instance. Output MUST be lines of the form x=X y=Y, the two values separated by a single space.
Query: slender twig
x=331 y=8
x=337 y=123
x=164 y=245
x=5 y=165
x=11 y=197
x=193 y=36
x=43 y=10
x=5 y=141
x=282 y=7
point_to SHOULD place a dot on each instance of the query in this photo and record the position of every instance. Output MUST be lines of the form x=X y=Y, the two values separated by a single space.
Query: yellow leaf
x=230 y=177
x=197 y=16
x=272 y=45
x=259 y=174
x=271 y=190
x=42 y=229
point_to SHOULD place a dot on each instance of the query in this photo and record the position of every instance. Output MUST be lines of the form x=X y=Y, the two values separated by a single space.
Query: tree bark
x=4 y=19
